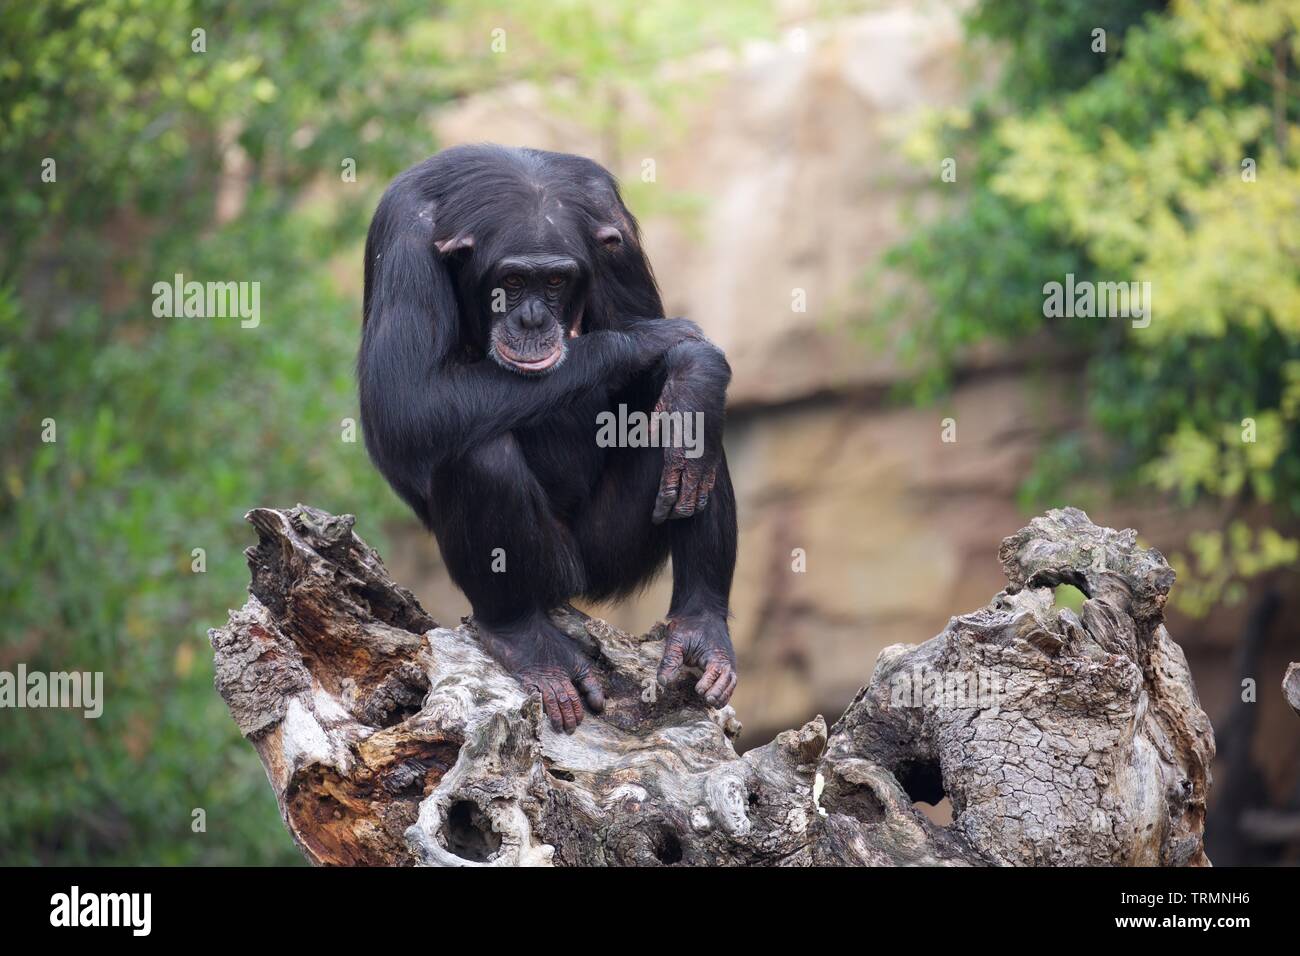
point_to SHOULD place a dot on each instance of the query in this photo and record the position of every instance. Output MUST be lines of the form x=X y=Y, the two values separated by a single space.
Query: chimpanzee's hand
x=693 y=401
x=701 y=641
x=655 y=337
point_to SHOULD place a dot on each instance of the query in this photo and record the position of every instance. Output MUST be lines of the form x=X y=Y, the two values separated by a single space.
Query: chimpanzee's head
x=534 y=302
x=529 y=257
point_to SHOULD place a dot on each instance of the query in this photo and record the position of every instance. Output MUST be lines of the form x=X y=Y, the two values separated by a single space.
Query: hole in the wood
x=400 y=713
x=469 y=833
x=1067 y=595
x=1074 y=580
x=861 y=803
x=560 y=774
x=922 y=780
x=409 y=710
x=398 y=698
x=939 y=814
x=668 y=848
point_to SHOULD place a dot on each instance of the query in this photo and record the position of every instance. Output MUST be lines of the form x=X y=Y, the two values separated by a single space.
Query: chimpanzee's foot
x=546 y=660
x=701 y=641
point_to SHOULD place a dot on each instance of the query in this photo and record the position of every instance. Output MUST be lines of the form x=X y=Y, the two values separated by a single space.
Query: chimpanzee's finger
x=687 y=495
x=671 y=663
x=706 y=488
x=725 y=694
x=551 y=704
x=669 y=486
x=714 y=679
x=591 y=692
x=570 y=708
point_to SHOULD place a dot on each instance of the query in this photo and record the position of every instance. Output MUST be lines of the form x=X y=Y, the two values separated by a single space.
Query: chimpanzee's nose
x=532 y=315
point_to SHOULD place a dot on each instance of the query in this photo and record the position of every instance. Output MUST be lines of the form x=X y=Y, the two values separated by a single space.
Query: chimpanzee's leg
x=514 y=560
x=704 y=560
x=622 y=547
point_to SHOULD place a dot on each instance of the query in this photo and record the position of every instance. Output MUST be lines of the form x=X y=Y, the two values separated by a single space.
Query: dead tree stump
x=1060 y=738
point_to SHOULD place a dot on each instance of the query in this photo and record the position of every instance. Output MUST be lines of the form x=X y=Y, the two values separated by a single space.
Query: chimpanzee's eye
x=554 y=282
x=513 y=282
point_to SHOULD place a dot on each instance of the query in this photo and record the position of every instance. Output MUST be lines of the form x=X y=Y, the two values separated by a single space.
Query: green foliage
x=1052 y=40
x=1068 y=596
x=222 y=165
x=1172 y=158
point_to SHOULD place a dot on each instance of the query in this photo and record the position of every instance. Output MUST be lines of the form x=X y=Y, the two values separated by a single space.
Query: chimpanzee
x=508 y=304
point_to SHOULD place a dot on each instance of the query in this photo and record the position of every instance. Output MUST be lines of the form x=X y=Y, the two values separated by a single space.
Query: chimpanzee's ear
x=609 y=237
x=448 y=246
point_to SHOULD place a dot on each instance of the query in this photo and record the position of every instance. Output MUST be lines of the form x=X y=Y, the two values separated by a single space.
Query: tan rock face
x=798 y=156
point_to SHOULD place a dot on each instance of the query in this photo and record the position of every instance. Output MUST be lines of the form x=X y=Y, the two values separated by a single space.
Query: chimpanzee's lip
x=531 y=365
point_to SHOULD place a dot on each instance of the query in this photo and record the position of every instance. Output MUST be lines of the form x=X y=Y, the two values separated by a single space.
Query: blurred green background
x=232 y=162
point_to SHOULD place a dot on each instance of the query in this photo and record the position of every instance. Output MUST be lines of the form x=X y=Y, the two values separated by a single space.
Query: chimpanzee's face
x=532 y=308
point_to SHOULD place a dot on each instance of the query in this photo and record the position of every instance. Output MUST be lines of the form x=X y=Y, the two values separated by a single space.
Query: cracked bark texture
x=1060 y=738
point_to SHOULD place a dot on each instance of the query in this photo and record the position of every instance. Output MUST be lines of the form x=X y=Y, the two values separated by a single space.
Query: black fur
x=491 y=459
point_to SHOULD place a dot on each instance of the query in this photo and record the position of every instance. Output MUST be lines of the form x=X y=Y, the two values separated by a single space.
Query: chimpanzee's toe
x=718 y=682
x=701 y=642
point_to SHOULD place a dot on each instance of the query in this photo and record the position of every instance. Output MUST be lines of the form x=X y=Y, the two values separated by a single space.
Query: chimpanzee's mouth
x=529 y=364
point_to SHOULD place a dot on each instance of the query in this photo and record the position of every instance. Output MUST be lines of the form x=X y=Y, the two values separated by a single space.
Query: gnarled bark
x=1060 y=738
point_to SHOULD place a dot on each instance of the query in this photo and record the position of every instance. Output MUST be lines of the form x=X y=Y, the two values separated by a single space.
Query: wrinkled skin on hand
x=549 y=663
x=660 y=335
x=701 y=641
x=696 y=383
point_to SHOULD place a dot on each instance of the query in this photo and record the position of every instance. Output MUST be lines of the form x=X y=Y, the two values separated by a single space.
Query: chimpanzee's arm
x=465 y=405
x=696 y=382
x=430 y=415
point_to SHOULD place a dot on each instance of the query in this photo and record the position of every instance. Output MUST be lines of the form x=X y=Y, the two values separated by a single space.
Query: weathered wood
x=1060 y=738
